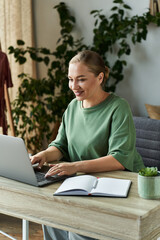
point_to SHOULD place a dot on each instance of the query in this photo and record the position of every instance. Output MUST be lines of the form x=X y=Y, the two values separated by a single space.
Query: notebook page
x=112 y=187
x=77 y=184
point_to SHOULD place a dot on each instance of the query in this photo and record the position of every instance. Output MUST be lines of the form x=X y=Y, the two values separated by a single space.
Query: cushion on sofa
x=153 y=111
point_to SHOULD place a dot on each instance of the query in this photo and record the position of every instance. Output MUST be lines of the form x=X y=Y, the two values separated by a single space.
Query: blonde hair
x=94 y=62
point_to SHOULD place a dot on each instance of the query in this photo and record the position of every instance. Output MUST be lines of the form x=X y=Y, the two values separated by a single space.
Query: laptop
x=15 y=163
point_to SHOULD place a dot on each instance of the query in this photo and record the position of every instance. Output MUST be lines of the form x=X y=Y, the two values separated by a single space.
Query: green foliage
x=149 y=171
x=36 y=105
x=115 y=34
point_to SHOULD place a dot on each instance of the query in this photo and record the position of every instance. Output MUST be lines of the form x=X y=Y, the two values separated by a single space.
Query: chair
x=148 y=140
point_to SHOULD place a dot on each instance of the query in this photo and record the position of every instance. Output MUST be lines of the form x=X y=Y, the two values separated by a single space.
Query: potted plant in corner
x=149 y=183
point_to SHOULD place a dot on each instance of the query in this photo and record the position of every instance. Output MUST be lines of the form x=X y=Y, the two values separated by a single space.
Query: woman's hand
x=62 y=169
x=39 y=158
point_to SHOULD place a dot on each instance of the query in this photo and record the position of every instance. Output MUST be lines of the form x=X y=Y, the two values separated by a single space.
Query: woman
x=97 y=132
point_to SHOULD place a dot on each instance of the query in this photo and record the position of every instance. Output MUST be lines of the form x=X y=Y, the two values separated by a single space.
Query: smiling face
x=84 y=84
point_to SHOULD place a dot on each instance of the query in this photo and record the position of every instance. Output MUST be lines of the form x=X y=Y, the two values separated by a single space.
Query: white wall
x=142 y=75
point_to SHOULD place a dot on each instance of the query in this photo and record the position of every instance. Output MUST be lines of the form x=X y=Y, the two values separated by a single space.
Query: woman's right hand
x=39 y=158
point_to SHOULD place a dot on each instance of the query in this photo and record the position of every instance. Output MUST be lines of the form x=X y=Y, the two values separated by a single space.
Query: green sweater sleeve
x=123 y=138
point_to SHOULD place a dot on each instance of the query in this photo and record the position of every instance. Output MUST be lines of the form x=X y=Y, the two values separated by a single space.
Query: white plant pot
x=149 y=187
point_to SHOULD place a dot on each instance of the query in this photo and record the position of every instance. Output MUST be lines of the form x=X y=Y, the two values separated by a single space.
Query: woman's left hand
x=61 y=169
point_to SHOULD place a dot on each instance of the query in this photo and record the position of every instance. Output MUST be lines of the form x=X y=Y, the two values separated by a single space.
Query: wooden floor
x=13 y=227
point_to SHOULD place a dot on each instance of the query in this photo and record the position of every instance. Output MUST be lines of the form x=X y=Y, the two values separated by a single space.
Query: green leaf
x=45 y=51
x=149 y=171
x=114 y=8
x=121 y=52
x=21 y=60
x=121 y=12
x=118 y=1
x=127 y=6
x=62 y=48
x=94 y=11
x=33 y=56
x=96 y=22
x=134 y=39
x=20 y=42
x=46 y=60
x=55 y=64
x=128 y=51
x=39 y=59
x=11 y=49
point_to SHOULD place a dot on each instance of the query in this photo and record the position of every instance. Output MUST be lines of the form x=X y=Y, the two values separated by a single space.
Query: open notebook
x=86 y=185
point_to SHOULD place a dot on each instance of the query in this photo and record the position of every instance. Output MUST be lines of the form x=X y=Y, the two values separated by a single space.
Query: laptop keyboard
x=42 y=180
x=40 y=176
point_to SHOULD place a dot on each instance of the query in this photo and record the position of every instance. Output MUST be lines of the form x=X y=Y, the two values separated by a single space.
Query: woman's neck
x=87 y=103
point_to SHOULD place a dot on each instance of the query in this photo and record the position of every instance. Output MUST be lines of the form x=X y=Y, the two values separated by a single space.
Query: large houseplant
x=36 y=105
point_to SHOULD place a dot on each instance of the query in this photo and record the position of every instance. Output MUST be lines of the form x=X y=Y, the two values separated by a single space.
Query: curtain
x=16 y=23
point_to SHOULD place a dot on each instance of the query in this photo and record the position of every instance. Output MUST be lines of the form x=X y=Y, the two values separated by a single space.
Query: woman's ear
x=101 y=77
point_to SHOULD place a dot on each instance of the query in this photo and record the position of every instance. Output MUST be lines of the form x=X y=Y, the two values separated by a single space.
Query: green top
x=105 y=129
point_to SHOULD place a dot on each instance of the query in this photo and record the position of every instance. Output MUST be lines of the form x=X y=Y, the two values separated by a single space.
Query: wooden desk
x=98 y=217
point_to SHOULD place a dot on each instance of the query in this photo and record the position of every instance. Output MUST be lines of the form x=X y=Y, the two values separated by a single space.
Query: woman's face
x=84 y=84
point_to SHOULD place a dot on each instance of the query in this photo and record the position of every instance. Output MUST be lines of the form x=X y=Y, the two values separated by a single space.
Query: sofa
x=148 y=140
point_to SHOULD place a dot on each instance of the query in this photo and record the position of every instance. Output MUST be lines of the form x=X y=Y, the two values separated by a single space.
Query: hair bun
x=106 y=72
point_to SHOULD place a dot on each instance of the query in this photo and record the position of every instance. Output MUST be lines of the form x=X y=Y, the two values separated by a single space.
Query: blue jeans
x=50 y=233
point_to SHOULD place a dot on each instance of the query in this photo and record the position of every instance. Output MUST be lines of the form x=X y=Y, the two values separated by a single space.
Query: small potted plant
x=149 y=183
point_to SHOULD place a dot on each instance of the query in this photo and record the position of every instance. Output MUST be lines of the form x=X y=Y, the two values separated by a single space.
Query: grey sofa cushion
x=148 y=140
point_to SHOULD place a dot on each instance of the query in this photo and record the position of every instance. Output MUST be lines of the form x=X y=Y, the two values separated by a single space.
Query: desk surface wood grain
x=131 y=218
